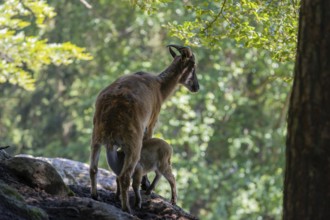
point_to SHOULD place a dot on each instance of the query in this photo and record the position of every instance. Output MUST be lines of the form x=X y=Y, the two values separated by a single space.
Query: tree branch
x=5 y=147
x=31 y=12
x=215 y=18
x=5 y=57
x=87 y=5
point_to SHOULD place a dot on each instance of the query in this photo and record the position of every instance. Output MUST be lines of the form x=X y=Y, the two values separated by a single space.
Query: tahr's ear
x=186 y=52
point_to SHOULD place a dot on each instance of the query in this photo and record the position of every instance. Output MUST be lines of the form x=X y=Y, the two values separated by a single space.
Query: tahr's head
x=187 y=67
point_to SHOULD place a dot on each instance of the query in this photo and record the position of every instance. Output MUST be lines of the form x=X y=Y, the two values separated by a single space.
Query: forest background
x=228 y=139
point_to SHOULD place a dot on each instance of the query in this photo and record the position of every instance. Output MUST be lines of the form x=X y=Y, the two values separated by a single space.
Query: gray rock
x=38 y=174
x=77 y=173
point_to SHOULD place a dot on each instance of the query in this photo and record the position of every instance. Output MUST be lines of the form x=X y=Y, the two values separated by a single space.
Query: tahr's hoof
x=138 y=205
x=127 y=209
x=95 y=196
x=148 y=192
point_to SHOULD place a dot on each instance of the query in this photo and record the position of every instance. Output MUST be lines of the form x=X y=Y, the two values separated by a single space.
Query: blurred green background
x=228 y=138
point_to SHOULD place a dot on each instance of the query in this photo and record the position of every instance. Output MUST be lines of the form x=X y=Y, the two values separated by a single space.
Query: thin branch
x=226 y=19
x=87 y=5
x=216 y=17
x=33 y=19
x=5 y=147
x=284 y=111
x=5 y=57
x=294 y=7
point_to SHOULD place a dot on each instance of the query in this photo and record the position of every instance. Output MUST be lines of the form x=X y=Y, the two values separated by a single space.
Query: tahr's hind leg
x=93 y=169
x=130 y=161
x=137 y=177
x=167 y=173
x=118 y=189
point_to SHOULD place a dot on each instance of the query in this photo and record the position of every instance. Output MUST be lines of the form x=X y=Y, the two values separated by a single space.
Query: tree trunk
x=307 y=174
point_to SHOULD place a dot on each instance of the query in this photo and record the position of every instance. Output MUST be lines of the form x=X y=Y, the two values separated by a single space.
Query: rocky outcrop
x=77 y=173
x=41 y=188
x=38 y=174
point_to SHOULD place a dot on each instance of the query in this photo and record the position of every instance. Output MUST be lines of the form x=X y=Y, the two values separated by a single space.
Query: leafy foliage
x=23 y=55
x=229 y=139
x=271 y=25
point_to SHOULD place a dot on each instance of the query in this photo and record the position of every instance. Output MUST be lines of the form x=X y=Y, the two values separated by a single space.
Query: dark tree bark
x=307 y=174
